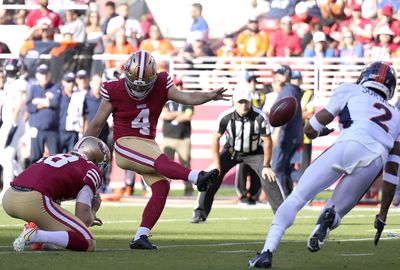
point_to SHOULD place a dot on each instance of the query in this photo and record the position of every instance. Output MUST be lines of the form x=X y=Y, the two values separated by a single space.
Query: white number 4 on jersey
x=142 y=122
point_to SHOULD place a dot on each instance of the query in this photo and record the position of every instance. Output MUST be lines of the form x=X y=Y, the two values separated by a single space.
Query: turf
x=231 y=236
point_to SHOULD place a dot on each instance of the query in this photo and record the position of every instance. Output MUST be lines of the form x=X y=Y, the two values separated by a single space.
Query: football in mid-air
x=282 y=111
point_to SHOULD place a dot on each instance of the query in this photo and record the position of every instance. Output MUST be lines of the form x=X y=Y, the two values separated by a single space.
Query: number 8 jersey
x=134 y=117
x=60 y=177
x=365 y=117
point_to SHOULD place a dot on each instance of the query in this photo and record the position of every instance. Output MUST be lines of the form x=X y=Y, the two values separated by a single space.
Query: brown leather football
x=282 y=111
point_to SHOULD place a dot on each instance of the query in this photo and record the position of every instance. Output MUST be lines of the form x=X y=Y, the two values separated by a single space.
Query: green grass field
x=231 y=236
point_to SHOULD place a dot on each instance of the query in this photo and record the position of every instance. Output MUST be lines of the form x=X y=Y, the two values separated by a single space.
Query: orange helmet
x=140 y=74
x=94 y=150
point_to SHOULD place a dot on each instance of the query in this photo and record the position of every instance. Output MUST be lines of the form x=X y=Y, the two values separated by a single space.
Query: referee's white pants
x=329 y=167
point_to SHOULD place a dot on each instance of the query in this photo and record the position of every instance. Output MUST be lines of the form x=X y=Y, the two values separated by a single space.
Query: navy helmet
x=379 y=76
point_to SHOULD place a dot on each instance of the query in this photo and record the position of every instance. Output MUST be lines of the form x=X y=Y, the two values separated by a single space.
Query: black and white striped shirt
x=243 y=133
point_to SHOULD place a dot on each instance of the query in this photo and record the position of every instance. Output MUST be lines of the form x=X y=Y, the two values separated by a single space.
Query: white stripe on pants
x=319 y=176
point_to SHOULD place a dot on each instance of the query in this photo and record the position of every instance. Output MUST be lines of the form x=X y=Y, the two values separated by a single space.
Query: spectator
x=93 y=28
x=43 y=16
x=360 y=27
x=349 y=47
x=12 y=112
x=94 y=35
x=146 y=21
x=3 y=49
x=92 y=103
x=6 y=17
x=252 y=41
x=302 y=23
x=109 y=10
x=198 y=48
x=82 y=81
x=120 y=45
x=272 y=90
x=386 y=19
x=43 y=104
x=74 y=25
x=228 y=48
x=199 y=24
x=284 y=42
x=385 y=47
x=332 y=11
x=307 y=111
x=244 y=144
x=42 y=32
x=287 y=138
x=369 y=9
x=122 y=21
x=67 y=134
x=319 y=47
x=278 y=9
x=156 y=44
x=176 y=132
x=393 y=3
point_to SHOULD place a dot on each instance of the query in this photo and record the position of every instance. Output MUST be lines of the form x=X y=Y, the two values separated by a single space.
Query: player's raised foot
x=206 y=178
x=142 y=243
x=24 y=238
x=262 y=260
x=320 y=233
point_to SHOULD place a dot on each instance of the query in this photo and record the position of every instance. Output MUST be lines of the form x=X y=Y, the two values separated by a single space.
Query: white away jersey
x=365 y=117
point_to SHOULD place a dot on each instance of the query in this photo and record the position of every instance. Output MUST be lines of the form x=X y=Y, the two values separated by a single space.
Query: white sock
x=193 y=175
x=58 y=238
x=273 y=239
x=141 y=231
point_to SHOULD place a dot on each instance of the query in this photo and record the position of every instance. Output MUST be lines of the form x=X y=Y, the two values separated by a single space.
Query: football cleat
x=23 y=239
x=142 y=243
x=198 y=219
x=205 y=179
x=320 y=233
x=262 y=260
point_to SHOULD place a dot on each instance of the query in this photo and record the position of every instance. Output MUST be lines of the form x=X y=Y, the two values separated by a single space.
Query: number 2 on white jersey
x=380 y=119
x=142 y=122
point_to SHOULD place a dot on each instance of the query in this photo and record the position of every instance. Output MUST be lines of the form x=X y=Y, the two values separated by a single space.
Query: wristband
x=390 y=178
x=317 y=126
x=394 y=158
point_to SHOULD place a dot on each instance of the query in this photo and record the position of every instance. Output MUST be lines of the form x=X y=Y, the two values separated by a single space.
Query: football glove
x=97 y=222
x=379 y=225
x=325 y=131
x=10 y=135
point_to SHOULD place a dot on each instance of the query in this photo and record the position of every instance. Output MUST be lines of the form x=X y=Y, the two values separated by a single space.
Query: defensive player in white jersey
x=13 y=126
x=369 y=138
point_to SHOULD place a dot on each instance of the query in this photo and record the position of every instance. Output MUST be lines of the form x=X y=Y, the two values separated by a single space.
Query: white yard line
x=356 y=254
x=214 y=245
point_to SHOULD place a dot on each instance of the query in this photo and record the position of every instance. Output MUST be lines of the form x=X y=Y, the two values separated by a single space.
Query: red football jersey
x=136 y=117
x=60 y=177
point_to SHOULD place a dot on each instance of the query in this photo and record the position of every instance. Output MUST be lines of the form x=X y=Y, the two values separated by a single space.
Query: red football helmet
x=140 y=74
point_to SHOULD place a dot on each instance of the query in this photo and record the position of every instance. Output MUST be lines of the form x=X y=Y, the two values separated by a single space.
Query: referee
x=248 y=142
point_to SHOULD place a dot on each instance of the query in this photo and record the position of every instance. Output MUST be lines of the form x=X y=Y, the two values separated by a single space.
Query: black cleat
x=198 y=219
x=320 y=233
x=262 y=260
x=142 y=243
x=206 y=178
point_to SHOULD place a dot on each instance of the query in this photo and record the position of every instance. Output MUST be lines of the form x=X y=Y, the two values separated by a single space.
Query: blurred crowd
x=309 y=28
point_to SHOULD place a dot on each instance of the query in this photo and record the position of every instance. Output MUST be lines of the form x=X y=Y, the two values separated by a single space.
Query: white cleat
x=23 y=239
